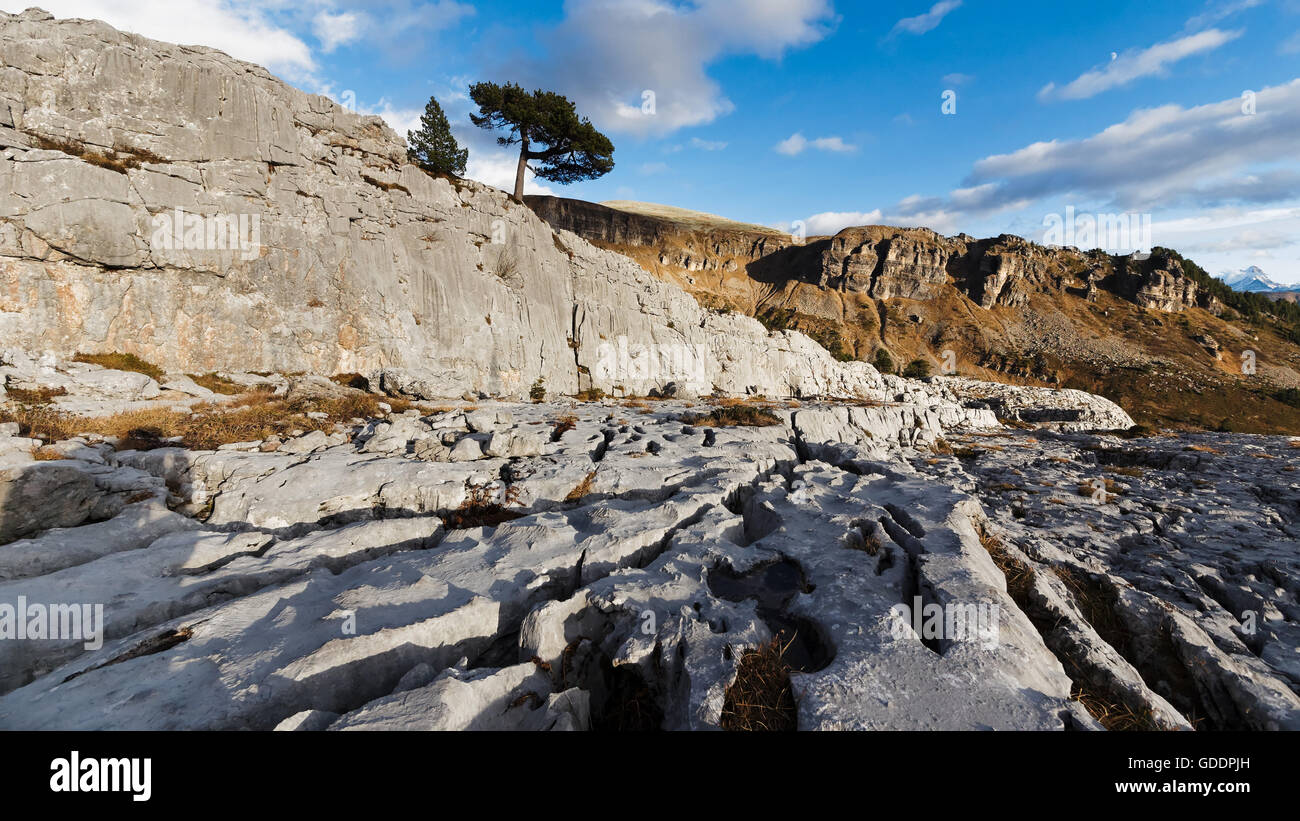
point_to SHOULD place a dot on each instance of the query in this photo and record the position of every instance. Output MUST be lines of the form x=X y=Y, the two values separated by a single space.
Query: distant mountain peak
x=1252 y=279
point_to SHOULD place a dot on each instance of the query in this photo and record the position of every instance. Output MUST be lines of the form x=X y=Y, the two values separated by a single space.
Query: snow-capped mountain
x=1251 y=279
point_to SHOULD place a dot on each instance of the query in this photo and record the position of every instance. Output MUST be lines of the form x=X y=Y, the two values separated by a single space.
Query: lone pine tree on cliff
x=560 y=146
x=433 y=147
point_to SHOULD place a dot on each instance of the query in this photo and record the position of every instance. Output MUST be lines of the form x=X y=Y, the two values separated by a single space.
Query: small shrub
x=1289 y=396
x=590 y=395
x=917 y=369
x=884 y=362
x=537 y=392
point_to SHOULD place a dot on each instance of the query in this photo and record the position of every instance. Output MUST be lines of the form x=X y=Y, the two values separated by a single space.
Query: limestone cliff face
x=192 y=209
x=883 y=263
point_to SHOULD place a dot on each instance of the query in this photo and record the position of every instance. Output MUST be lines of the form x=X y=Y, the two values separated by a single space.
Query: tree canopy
x=557 y=144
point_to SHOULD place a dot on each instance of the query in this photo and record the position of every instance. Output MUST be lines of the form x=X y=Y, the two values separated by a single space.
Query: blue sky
x=828 y=113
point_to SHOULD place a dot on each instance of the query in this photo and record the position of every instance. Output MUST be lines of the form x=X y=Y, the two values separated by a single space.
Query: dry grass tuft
x=251 y=417
x=1020 y=577
x=1113 y=716
x=563 y=425
x=582 y=489
x=734 y=416
x=1135 y=472
x=38 y=396
x=121 y=362
x=217 y=384
x=760 y=699
x=481 y=507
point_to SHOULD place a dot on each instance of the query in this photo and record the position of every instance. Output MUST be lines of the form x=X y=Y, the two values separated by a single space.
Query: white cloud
x=334 y=30
x=797 y=144
x=1291 y=45
x=929 y=21
x=706 y=145
x=1216 y=11
x=605 y=54
x=652 y=169
x=831 y=223
x=1239 y=173
x=238 y=27
x=1201 y=156
x=957 y=79
x=497 y=168
x=1133 y=65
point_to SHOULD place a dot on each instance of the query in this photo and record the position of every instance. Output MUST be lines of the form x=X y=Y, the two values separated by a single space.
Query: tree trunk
x=519 y=172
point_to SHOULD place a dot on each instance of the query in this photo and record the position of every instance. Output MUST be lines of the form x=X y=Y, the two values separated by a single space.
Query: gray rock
x=466 y=450
x=43 y=495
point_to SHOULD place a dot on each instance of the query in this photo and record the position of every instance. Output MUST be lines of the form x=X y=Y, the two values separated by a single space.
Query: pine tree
x=433 y=147
x=547 y=128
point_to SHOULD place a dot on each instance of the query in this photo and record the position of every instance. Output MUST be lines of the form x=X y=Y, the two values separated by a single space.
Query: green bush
x=917 y=369
x=884 y=362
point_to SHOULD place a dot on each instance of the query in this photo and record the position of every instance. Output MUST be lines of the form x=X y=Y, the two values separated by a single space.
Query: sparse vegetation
x=883 y=361
x=121 y=362
x=582 y=489
x=537 y=392
x=217 y=384
x=760 y=699
x=120 y=158
x=590 y=395
x=482 y=508
x=917 y=369
x=385 y=186
x=253 y=417
x=563 y=425
x=35 y=396
x=733 y=416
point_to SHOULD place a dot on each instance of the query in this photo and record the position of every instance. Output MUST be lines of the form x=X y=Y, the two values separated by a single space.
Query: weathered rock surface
x=1166 y=567
x=641 y=556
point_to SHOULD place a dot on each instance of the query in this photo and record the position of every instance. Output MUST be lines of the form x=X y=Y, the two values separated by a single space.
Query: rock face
x=1164 y=288
x=615 y=575
x=888 y=262
x=189 y=208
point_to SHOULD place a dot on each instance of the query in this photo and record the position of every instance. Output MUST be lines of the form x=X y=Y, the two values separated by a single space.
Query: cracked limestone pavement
x=565 y=565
